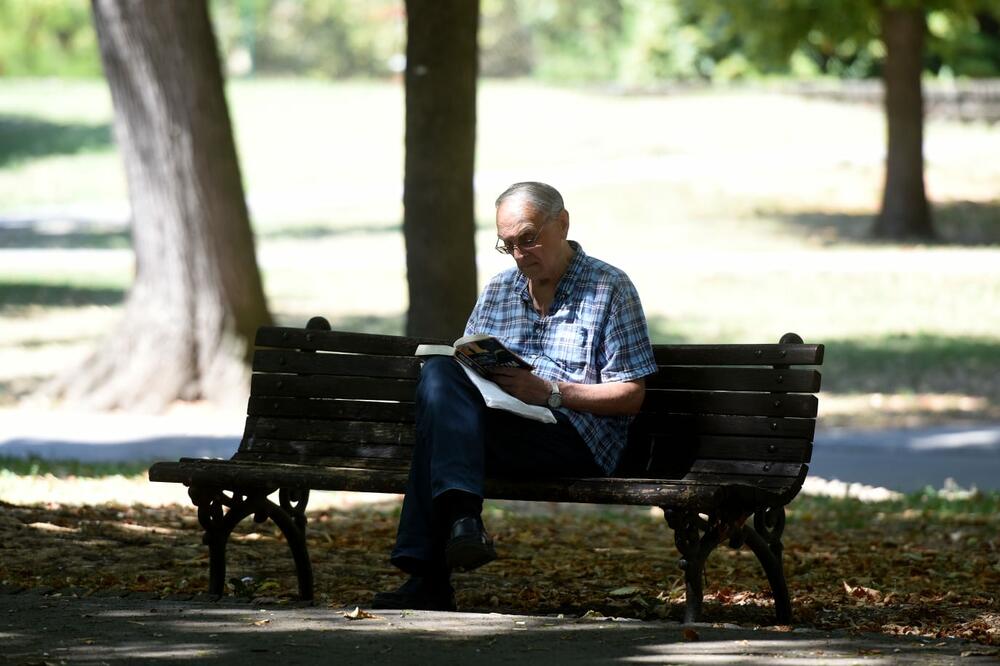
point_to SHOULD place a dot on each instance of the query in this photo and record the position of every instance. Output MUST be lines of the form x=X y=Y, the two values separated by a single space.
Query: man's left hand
x=522 y=384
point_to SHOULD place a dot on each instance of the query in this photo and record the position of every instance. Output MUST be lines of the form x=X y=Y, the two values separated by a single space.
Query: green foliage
x=47 y=38
x=630 y=42
x=328 y=38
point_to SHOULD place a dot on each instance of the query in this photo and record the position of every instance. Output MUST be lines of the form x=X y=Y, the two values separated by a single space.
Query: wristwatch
x=555 y=397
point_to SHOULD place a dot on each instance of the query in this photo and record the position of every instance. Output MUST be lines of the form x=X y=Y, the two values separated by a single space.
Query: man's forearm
x=611 y=399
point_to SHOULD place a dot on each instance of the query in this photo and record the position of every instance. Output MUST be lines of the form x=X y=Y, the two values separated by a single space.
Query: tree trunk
x=905 y=214
x=439 y=220
x=197 y=297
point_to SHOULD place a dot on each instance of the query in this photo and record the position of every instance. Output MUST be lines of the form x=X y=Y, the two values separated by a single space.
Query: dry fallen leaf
x=690 y=635
x=358 y=614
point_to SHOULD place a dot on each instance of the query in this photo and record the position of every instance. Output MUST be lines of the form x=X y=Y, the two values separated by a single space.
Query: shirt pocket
x=571 y=347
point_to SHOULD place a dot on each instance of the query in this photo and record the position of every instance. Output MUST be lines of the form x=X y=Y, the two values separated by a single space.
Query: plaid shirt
x=595 y=332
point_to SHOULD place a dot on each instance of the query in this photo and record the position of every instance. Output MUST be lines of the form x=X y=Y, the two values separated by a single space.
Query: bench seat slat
x=729 y=402
x=328 y=408
x=735 y=379
x=264 y=427
x=792 y=354
x=322 y=363
x=321 y=386
x=696 y=493
x=681 y=425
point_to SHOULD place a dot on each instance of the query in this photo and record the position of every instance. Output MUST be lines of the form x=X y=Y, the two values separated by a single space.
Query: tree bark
x=905 y=214
x=439 y=219
x=197 y=299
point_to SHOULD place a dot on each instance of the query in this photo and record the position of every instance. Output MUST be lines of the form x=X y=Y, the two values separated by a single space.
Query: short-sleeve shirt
x=595 y=332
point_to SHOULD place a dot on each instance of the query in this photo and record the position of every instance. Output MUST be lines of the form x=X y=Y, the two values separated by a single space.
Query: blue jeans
x=460 y=441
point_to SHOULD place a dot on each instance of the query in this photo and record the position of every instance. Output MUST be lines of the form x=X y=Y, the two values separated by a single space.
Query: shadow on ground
x=24 y=138
x=45 y=236
x=930 y=575
x=107 y=630
x=959 y=223
x=15 y=295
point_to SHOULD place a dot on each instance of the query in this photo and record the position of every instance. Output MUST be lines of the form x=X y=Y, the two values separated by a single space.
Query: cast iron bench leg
x=289 y=517
x=764 y=539
x=695 y=548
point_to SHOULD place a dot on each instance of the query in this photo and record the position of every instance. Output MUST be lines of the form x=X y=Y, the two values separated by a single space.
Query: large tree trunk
x=197 y=298
x=439 y=220
x=905 y=213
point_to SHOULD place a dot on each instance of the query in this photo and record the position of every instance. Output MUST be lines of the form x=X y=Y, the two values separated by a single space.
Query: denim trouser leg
x=448 y=454
x=459 y=441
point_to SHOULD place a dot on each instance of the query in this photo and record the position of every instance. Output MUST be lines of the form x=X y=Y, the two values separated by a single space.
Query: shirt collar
x=566 y=282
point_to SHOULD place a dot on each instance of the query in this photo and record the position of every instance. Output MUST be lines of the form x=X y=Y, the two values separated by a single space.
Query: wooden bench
x=725 y=433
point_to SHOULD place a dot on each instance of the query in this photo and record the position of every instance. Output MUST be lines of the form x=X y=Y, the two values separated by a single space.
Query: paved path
x=898 y=459
x=45 y=629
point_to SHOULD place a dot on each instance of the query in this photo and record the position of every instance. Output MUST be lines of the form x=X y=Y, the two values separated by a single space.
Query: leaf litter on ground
x=922 y=566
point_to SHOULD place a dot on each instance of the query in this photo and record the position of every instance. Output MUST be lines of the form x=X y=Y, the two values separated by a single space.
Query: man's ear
x=563 y=222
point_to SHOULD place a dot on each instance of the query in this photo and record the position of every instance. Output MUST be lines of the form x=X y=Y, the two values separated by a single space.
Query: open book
x=478 y=351
x=477 y=354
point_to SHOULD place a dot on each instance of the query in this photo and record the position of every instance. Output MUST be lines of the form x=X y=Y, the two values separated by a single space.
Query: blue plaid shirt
x=595 y=332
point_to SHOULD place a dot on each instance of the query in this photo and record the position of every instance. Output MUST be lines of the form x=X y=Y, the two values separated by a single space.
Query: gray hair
x=541 y=196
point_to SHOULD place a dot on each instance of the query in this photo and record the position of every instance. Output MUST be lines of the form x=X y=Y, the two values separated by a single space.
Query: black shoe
x=469 y=546
x=418 y=593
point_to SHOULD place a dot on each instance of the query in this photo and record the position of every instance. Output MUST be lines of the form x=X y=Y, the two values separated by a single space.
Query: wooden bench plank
x=329 y=408
x=263 y=427
x=723 y=424
x=364 y=462
x=735 y=379
x=729 y=402
x=260 y=446
x=325 y=363
x=793 y=354
x=321 y=386
x=342 y=341
x=233 y=473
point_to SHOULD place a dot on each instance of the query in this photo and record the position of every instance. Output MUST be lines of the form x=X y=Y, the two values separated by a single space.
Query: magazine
x=477 y=354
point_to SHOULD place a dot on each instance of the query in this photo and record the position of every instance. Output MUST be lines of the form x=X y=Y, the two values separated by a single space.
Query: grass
x=65 y=469
x=739 y=215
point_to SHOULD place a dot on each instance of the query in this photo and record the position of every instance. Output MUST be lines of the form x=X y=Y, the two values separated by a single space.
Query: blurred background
x=731 y=157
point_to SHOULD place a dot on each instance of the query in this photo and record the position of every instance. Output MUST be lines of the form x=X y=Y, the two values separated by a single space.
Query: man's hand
x=522 y=384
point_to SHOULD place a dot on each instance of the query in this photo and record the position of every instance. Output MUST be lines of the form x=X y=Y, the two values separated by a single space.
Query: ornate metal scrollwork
x=288 y=515
x=769 y=523
x=294 y=501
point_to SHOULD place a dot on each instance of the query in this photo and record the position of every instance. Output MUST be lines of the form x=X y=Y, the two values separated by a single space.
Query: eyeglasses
x=506 y=247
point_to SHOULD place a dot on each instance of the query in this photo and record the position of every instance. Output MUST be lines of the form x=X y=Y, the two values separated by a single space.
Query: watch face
x=555 y=401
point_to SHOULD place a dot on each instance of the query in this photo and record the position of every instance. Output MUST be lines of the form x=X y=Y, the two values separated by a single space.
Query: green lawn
x=740 y=216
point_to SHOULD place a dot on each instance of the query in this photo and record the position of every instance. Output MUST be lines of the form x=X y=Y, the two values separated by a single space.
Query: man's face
x=519 y=222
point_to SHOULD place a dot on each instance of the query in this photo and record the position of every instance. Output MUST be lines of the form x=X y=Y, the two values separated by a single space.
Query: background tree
x=889 y=35
x=197 y=298
x=439 y=219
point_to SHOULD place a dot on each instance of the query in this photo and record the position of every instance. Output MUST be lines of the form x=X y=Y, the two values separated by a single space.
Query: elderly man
x=580 y=324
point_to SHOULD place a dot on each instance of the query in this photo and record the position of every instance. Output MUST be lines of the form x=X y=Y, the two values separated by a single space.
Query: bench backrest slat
x=344 y=365
x=329 y=408
x=734 y=379
x=798 y=354
x=341 y=341
x=265 y=446
x=330 y=430
x=724 y=424
x=730 y=402
x=324 y=386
